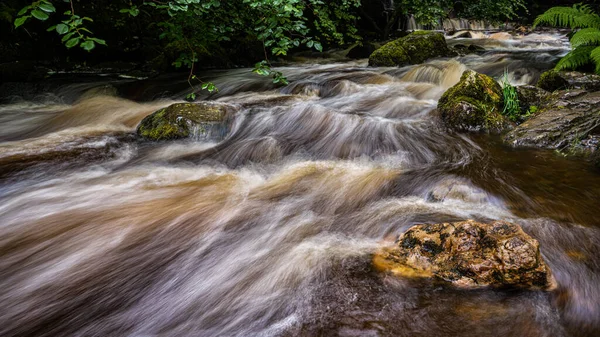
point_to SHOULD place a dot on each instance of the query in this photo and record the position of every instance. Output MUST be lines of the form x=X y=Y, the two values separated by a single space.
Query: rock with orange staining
x=469 y=254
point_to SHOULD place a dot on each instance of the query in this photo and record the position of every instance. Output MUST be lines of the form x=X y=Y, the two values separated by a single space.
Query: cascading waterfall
x=270 y=231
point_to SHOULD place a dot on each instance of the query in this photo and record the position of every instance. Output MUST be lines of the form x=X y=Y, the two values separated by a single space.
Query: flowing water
x=269 y=231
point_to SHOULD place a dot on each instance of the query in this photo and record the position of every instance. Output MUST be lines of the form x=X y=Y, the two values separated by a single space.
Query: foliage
x=71 y=29
x=196 y=28
x=586 y=39
x=512 y=108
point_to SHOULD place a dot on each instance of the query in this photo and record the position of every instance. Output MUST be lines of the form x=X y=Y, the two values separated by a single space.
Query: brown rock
x=469 y=254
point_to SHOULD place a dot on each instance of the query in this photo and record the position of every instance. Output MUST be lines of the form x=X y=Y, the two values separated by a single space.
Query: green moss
x=412 y=49
x=552 y=81
x=175 y=121
x=474 y=104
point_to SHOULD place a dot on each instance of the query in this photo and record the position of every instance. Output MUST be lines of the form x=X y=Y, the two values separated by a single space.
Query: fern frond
x=572 y=17
x=586 y=37
x=577 y=57
x=595 y=56
x=585 y=9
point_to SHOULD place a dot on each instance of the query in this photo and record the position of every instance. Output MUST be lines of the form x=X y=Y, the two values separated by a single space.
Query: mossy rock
x=183 y=120
x=414 y=48
x=551 y=80
x=474 y=104
x=361 y=51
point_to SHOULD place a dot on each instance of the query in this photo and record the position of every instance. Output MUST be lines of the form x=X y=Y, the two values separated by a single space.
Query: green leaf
x=88 y=45
x=47 y=7
x=38 y=14
x=72 y=42
x=98 y=41
x=68 y=36
x=318 y=46
x=23 y=10
x=20 y=21
x=51 y=28
x=61 y=28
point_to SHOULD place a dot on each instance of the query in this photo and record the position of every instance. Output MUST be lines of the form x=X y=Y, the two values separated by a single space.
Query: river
x=269 y=230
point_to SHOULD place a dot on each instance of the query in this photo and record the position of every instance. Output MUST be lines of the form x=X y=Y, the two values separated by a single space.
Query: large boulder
x=469 y=254
x=474 y=104
x=414 y=48
x=204 y=120
x=565 y=119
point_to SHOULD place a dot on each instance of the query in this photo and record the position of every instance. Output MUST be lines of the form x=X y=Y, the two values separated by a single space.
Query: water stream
x=269 y=230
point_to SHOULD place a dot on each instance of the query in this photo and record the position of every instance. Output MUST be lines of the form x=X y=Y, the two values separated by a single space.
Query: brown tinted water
x=270 y=231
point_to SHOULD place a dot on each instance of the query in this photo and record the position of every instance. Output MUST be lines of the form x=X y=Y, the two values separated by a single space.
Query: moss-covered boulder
x=414 y=48
x=185 y=120
x=474 y=104
x=551 y=80
x=469 y=254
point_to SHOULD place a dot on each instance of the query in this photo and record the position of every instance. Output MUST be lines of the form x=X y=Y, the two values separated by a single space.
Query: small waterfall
x=453 y=25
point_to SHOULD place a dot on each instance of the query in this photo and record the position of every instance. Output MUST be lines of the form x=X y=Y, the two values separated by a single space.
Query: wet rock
x=579 y=80
x=551 y=80
x=458 y=189
x=414 y=48
x=462 y=50
x=469 y=254
x=474 y=104
x=531 y=99
x=566 y=118
x=530 y=95
x=362 y=51
x=183 y=120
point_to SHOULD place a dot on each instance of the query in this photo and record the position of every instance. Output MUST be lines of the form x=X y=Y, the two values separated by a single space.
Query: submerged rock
x=469 y=254
x=183 y=120
x=474 y=104
x=551 y=80
x=414 y=48
x=462 y=50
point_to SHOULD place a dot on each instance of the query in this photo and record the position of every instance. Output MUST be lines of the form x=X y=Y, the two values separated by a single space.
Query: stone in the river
x=565 y=119
x=361 y=51
x=579 y=80
x=462 y=50
x=474 y=104
x=414 y=48
x=551 y=80
x=469 y=254
x=531 y=96
x=183 y=120
x=456 y=188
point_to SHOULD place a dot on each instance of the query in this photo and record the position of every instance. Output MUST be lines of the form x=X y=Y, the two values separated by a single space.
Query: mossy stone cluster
x=474 y=104
x=177 y=121
x=414 y=48
x=551 y=80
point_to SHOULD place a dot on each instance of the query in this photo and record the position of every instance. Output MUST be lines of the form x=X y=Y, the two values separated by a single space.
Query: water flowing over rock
x=469 y=254
x=474 y=104
x=414 y=48
x=183 y=120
